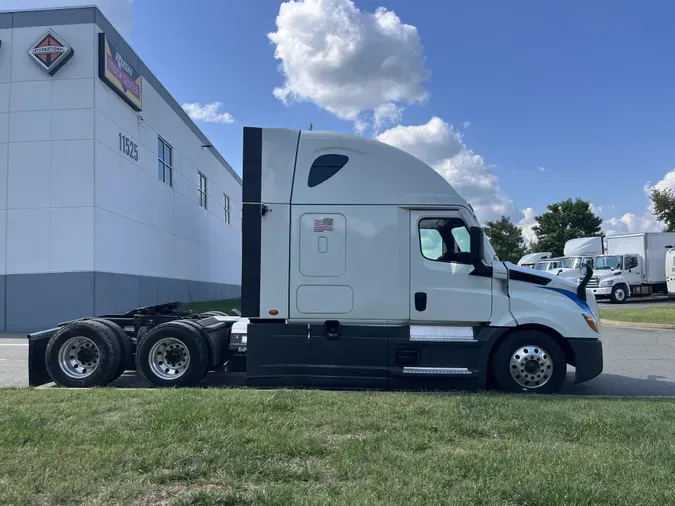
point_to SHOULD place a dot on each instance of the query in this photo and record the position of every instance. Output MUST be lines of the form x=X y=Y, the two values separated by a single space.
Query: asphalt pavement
x=637 y=362
x=639 y=303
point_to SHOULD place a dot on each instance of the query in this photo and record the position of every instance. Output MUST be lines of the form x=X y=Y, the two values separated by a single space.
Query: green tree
x=664 y=207
x=563 y=221
x=506 y=238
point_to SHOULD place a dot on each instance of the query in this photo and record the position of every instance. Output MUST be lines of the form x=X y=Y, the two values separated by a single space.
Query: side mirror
x=586 y=273
x=477 y=244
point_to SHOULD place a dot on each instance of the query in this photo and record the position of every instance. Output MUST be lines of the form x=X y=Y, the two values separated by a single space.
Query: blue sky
x=565 y=99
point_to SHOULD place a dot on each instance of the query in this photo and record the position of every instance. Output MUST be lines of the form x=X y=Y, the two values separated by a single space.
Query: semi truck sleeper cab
x=363 y=268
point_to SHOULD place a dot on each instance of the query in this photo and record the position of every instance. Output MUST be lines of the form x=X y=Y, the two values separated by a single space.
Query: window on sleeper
x=325 y=167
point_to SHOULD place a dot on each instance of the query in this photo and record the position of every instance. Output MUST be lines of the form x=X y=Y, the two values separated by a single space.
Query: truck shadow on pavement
x=623 y=386
x=604 y=385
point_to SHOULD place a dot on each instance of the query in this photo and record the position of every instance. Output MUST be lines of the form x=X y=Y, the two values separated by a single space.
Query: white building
x=94 y=216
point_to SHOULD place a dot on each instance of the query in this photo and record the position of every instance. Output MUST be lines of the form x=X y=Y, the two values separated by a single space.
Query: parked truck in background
x=634 y=265
x=362 y=267
x=670 y=272
x=531 y=259
x=578 y=252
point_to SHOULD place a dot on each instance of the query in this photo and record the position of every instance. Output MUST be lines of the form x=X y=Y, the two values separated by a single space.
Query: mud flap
x=37 y=347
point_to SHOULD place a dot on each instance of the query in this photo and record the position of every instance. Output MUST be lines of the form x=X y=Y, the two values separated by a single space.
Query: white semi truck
x=531 y=259
x=577 y=252
x=362 y=268
x=634 y=265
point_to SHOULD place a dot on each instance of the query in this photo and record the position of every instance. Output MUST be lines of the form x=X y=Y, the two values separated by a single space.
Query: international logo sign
x=50 y=52
x=118 y=73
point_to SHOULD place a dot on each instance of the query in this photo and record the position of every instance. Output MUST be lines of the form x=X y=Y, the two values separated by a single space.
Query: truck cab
x=531 y=259
x=570 y=266
x=363 y=267
x=614 y=275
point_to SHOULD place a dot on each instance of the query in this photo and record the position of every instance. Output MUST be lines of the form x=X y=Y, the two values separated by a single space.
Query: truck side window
x=325 y=167
x=444 y=240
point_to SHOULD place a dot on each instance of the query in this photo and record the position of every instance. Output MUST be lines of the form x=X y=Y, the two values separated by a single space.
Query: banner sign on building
x=118 y=73
x=50 y=52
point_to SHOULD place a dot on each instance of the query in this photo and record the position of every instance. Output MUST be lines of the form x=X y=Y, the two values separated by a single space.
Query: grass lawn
x=214 y=305
x=644 y=315
x=280 y=447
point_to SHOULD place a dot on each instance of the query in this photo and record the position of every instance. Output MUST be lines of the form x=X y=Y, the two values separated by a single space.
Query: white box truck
x=362 y=268
x=634 y=265
x=670 y=272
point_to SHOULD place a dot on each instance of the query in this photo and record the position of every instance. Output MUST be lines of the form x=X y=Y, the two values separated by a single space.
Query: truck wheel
x=529 y=361
x=83 y=354
x=212 y=313
x=619 y=294
x=201 y=331
x=127 y=361
x=172 y=354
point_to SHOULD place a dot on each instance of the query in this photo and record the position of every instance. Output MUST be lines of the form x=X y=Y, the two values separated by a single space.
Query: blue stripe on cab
x=572 y=295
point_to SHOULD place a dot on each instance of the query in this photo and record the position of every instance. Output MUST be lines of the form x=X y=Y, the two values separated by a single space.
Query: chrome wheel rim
x=79 y=357
x=531 y=367
x=169 y=358
x=619 y=294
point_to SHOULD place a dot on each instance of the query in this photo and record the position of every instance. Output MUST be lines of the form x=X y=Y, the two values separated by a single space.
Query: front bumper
x=605 y=290
x=587 y=358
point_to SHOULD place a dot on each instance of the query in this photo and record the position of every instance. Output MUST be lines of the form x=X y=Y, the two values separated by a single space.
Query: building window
x=202 y=189
x=164 y=162
x=227 y=208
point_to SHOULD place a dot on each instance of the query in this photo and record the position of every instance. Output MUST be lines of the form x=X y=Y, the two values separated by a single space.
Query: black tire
x=127 y=361
x=190 y=338
x=619 y=294
x=538 y=345
x=109 y=354
x=201 y=330
x=212 y=313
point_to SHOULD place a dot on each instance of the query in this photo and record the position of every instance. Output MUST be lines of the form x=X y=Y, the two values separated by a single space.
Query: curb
x=635 y=325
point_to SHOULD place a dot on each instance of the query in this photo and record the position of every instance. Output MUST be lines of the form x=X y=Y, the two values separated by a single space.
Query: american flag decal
x=325 y=225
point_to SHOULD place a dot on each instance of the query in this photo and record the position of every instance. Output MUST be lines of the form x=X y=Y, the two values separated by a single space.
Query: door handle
x=420 y=301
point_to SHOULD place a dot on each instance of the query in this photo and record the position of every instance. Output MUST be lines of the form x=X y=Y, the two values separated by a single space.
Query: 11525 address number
x=128 y=147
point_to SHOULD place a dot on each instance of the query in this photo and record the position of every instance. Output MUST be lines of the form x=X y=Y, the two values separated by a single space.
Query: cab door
x=632 y=270
x=443 y=284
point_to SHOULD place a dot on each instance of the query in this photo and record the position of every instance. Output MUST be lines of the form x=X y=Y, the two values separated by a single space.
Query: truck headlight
x=609 y=282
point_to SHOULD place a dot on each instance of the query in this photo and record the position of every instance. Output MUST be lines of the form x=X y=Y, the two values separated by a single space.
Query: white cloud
x=527 y=223
x=118 y=12
x=438 y=144
x=347 y=61
x=466 y=124
x=387 y=114
x=432 y=142
x=646 y=222
x=208 y=113
x=542 y=169
x=629 y=223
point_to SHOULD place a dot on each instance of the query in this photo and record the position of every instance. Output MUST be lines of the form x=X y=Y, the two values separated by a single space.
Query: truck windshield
x=570 y=263
x=609 y=262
